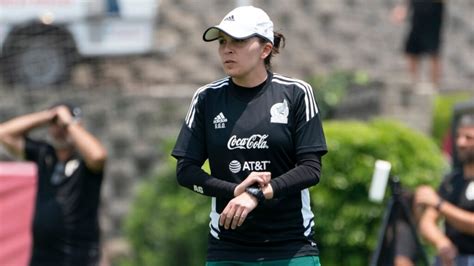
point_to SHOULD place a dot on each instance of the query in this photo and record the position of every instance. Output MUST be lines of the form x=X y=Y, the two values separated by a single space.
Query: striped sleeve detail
x=192 y=108
x=310 y=102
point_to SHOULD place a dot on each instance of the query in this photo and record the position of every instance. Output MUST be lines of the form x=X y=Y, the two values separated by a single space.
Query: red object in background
x=17 y=197
x=447 y=145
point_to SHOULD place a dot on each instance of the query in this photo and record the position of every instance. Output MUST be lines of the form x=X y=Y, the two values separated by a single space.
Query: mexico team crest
x=279 y=113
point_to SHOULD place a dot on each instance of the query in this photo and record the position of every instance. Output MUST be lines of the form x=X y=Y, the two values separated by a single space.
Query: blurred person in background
x=70 y=172
x=424 y=36
x=454 y=202
x=262 y=135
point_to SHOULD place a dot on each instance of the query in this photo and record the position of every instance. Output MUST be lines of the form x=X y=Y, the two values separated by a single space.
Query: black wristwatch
x=256 y=192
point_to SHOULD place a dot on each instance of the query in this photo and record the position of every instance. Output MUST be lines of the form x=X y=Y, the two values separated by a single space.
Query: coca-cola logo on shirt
x=256 y=141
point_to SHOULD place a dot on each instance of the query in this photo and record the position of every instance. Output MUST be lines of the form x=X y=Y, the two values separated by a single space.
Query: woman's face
x=240 y=58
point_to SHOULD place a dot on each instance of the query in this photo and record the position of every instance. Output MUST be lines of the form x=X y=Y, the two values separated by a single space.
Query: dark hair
x=466 y=120
x=278 y=42
x=74 y=109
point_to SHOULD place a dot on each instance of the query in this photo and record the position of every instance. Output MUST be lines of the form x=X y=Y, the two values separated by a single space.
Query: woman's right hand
x=236 y=211
x=260 y=178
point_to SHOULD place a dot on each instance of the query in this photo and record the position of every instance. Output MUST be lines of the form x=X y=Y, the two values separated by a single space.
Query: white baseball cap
x=242 y=23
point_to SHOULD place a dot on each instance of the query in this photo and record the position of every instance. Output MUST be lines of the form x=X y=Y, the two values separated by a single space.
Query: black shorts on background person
x=424 y=36
x=406 y=245
x=406 y=250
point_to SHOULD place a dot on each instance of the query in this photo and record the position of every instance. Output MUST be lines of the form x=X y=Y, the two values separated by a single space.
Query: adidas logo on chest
x=219 y=121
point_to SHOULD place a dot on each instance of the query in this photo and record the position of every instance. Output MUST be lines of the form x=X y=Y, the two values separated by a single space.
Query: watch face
x=253 y=190
x=256 y=192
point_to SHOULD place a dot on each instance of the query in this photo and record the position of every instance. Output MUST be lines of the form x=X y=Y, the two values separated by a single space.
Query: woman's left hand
x=236 y=211
x=260 y=178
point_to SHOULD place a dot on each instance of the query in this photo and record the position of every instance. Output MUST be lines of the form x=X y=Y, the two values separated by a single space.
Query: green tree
x=332 y=88
x=346 y=221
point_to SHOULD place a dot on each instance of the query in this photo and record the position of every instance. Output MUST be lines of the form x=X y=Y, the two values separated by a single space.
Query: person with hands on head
x=454 y=202
x=70 y=167
x=262 y=135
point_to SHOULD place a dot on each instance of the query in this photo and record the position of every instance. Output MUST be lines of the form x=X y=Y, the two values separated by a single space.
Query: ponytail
x=278 y=43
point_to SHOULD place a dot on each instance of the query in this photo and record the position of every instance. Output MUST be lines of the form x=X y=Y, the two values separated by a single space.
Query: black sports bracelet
x=256 y=192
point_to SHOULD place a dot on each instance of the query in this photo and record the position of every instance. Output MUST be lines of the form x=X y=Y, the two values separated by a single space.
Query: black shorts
x=424 y=36
x=406 y=242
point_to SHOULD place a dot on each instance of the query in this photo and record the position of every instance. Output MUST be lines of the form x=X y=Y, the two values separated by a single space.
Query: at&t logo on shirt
x=235 y=166
x=255 y=141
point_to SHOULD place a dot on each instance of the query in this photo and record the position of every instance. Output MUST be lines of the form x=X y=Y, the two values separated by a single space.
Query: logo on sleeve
x=279 y=113
x=219 y=121
x=198 y=189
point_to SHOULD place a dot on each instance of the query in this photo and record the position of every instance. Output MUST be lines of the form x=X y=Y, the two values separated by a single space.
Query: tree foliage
x=347 y=222
x=332 y=89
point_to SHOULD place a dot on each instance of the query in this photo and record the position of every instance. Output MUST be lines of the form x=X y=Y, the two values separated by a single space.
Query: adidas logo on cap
x=241 y=23
x=230 y=18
